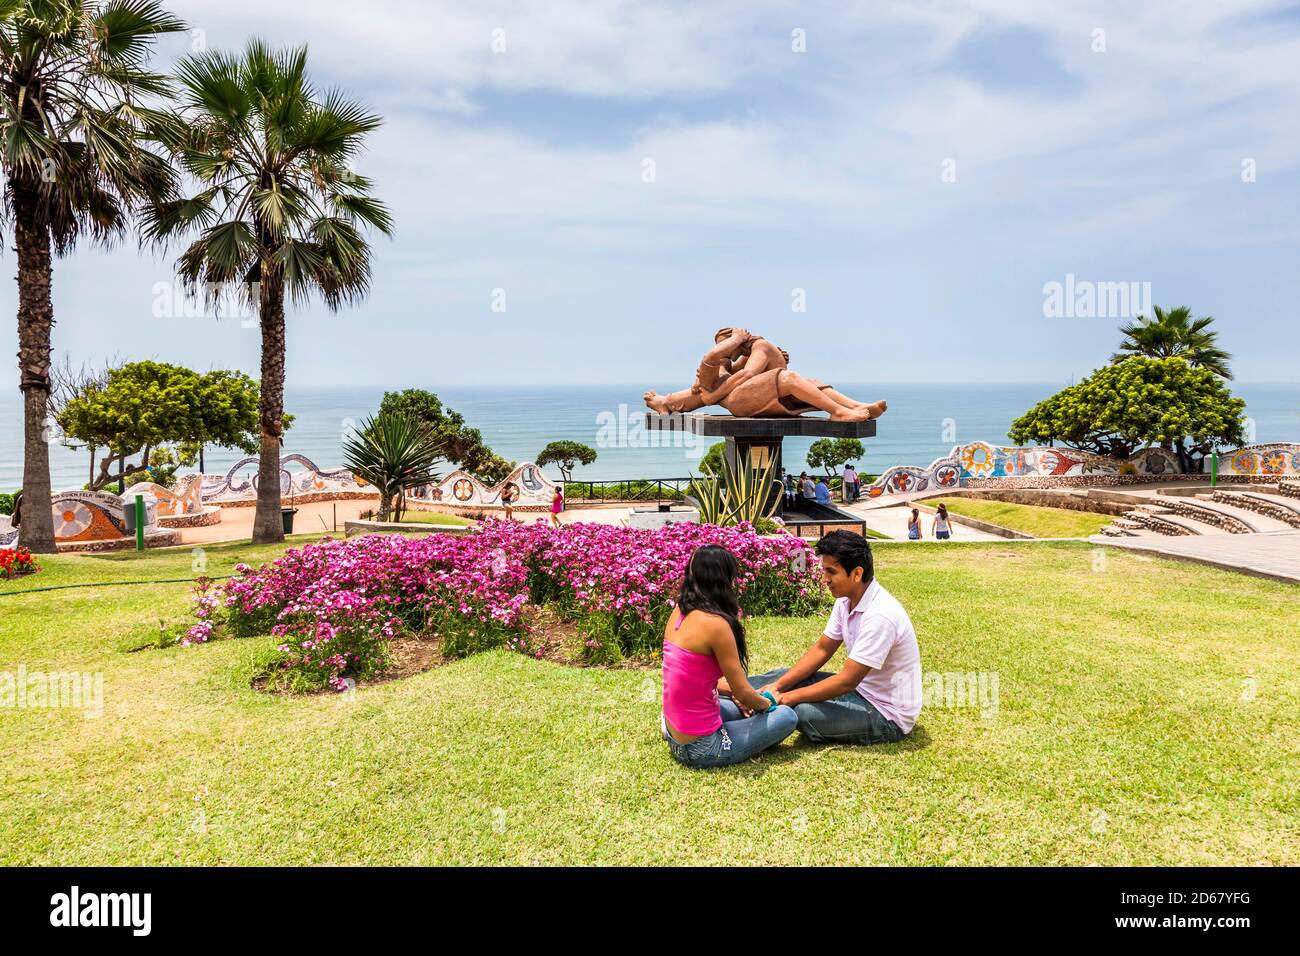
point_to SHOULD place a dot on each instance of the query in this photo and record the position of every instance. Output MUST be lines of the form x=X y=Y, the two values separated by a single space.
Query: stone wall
x=1270 y=509
x=210 y=515
x=1216 y=519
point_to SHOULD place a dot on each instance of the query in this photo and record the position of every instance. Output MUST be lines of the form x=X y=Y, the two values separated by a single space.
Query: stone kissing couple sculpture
x=751 y=378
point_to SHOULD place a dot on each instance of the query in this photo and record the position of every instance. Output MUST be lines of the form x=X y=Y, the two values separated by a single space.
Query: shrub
x=336 y=605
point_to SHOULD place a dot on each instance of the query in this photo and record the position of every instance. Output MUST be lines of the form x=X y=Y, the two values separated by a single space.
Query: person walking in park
x=941 y=526
x=557 y=505
x=704 y=648
x=876 y=696
x=914 y=525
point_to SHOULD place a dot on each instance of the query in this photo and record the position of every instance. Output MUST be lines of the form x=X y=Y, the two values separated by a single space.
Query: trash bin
x=286 y=515
x=128 y=512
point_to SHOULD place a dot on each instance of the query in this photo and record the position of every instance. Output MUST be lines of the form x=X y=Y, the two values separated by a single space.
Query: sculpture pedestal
x=762 y=438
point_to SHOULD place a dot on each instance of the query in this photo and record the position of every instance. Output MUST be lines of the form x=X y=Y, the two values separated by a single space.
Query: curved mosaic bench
x=232 y=489
x=460 y=489
x=981 y=465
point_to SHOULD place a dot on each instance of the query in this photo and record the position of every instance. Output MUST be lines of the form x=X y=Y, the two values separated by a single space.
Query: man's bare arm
x=849 y=677
x=813 y=660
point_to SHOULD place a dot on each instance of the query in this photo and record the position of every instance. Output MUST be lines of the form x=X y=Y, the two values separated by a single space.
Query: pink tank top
x=691 y=689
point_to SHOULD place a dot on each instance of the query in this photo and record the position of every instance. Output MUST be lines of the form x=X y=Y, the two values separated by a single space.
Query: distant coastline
x=922 y=424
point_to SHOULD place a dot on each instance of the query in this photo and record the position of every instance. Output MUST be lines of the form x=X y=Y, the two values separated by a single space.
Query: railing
x=651 y=489
x=642 y=489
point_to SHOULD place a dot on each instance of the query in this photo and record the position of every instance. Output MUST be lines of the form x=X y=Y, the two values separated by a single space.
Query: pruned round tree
x=1136 y=403
x=143 y=408
x=832 y=454
x=566 y=455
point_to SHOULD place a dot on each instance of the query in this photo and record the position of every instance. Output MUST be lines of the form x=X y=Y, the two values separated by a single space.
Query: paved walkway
x=893 y=522
x=1270 y=555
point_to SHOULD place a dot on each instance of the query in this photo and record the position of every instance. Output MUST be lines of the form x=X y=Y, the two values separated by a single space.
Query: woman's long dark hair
x=709 y=585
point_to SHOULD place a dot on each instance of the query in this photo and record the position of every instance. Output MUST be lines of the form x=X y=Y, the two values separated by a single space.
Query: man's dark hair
x=851 y=550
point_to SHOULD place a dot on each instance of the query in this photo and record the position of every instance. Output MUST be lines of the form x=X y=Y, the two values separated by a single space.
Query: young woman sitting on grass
x=703 y=642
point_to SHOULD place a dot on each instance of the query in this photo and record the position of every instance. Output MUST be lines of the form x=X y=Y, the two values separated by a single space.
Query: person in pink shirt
x=704 y=642
x=876 y=696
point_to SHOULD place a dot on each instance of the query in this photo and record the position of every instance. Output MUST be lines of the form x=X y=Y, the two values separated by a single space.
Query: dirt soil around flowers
x=550 y=638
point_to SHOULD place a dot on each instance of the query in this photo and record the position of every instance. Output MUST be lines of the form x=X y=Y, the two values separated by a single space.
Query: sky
x=585 y=191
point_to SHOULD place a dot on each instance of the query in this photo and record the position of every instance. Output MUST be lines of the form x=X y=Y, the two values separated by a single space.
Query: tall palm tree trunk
x=35 y=324
x=268 y=526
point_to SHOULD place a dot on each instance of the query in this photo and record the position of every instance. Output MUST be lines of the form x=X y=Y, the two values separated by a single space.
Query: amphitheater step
x=1113 y=531
x=1275 y=507
x=1266 y=512
x=1160 y=520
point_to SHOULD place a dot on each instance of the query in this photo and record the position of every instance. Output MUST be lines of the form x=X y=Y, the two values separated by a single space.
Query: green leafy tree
x=278 y=209
x=143 y=407
x=462 y=445
x=1175 y=334
x=833 y=454
x=714 y=459
x=394 y=451
x=1140 y=402
x=73 y=83
x=566 y=455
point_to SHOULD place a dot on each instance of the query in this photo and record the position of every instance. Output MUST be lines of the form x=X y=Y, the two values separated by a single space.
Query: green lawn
x=1027 y=519
x=1148 y=713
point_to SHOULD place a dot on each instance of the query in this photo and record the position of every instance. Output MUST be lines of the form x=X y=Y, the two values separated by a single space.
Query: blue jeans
x=847 y=719
x=738 y=739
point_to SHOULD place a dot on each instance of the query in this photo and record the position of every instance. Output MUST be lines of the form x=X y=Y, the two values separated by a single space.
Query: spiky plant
x=393 y=452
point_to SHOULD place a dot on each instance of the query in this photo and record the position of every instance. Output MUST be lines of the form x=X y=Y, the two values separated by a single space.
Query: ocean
x=923 y=422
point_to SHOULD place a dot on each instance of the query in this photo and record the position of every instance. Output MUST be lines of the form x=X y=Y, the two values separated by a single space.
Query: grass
x=1032 y=520
x=1147 y=714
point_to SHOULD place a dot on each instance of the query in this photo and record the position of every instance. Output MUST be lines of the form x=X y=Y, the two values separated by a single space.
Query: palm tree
x=72 y=81
x=277 y=208
x=1175 y=333
x=393 y=451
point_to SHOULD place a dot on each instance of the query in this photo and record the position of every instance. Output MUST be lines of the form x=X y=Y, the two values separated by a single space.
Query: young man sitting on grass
x=876 y=696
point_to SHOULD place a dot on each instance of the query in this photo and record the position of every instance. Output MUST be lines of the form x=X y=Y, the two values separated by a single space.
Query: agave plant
x=393 y=452
x=743 y=493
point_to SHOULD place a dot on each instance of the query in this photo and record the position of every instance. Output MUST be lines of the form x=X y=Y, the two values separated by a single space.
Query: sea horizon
x=923 y=423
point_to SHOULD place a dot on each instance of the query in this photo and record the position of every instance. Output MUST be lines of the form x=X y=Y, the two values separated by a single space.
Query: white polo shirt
x=878 y=633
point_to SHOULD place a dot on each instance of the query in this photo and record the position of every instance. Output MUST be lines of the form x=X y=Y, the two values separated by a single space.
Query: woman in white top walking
x=942 y=527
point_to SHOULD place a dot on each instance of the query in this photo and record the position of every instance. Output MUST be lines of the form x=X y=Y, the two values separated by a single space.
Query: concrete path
x=1273 y=555
x=893 y=522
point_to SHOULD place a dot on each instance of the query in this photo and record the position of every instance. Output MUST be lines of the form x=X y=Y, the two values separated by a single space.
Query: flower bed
x=336 y=605
x=15 y=562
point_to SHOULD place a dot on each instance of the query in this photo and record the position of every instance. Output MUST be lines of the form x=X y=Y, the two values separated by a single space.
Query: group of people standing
x=819 y=490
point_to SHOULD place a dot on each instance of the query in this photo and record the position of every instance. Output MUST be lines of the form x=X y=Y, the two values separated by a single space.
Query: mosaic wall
x=462 y=488
x=88 y=518
x=183 y=498
x=980 y=461
x=1281 y=460
x=239 y=484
